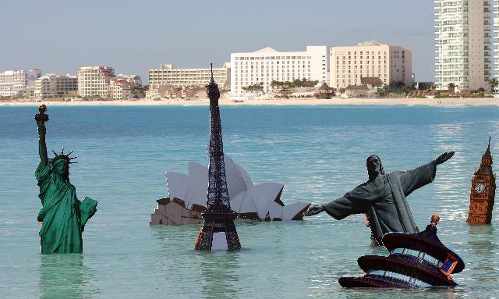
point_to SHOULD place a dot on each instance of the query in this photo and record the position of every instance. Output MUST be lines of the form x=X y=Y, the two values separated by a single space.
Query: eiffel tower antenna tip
x=212 y=79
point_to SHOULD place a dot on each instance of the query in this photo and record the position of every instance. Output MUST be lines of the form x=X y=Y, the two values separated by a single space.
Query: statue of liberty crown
x=64 y=156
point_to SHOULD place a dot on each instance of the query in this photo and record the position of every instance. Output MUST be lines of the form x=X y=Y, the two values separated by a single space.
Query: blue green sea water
x=317 y=151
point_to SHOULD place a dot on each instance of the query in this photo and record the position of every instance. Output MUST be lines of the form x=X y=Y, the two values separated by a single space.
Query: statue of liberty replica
x=63 y=216
x=218 y=231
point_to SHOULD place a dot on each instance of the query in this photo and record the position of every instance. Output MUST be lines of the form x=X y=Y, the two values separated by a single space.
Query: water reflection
x=453 y=177
x=483 y=246
x=62 y=276
x=440 y=293
x=220 y=271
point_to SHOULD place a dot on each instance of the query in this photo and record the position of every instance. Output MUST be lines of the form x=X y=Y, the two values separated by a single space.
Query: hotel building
x=463 y=43
x=493 y=48
x=100 y=81
x=168 y=74
x=16 y=82
x=121 y=87
x=93 y=81
x=134 y=80
x=54 y=86
x=391 y=64
x=267 y=65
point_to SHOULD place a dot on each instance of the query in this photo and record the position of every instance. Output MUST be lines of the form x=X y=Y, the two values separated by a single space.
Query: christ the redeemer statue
x=382 y=197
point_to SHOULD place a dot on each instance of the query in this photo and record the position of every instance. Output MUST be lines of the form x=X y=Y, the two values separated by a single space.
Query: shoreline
x=441 y=102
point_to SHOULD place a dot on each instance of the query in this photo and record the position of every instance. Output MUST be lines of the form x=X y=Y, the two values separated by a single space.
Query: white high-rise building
x=349 y=65
x=462 y=43
x=14 y=83
x=54 y=86
x=494 y=39
x=267 y=65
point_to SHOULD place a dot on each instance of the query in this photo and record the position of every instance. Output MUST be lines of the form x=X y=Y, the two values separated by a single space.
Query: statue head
x=435 y=218
x=61 y=163
x=374 y=167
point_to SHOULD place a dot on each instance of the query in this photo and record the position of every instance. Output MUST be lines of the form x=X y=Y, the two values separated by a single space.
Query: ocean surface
x=317 y=152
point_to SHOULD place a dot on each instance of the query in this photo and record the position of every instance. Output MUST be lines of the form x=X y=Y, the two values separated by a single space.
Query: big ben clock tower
x=483 y=189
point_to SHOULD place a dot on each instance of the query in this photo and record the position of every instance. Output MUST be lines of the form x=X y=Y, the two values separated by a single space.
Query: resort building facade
x=100 y=81
x=122 y=86
x=170 y=75
x=17 y=82
x=493 y=48
x=349 y=65
x=93 y=81
x=264 y=66
x=463 y=38
x=55 y=86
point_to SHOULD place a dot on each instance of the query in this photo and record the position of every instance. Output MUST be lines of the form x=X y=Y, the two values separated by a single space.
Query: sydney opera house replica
x=187 y=197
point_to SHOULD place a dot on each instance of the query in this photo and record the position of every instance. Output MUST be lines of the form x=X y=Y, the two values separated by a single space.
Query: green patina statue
x=63 y=216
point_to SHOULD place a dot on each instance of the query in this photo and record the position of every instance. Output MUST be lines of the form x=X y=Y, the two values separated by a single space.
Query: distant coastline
x=437 y=102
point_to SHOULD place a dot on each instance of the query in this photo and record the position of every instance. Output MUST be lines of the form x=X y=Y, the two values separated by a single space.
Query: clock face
x=479 y=187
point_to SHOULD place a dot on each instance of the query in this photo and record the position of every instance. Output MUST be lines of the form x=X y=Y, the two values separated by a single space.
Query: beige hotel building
x=389 y=63
x=100 y=81
x=93 y=81
x=168 y=74
x=54 y=86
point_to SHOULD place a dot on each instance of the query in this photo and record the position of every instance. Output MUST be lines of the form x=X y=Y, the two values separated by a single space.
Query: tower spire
x=486 y=158
x=211 y=71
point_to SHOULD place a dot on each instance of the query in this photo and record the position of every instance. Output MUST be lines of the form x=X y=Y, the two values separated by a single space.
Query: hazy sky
x=132 y=36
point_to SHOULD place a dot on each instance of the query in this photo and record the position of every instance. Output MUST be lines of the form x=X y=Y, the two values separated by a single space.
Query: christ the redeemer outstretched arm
x=414 y=179
x=356 y=201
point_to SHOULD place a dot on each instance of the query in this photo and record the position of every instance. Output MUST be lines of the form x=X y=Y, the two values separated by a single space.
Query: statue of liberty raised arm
x=63 y=216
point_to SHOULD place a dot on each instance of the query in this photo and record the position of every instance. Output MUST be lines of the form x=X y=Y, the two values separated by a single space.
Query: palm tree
x=493 y=83
x=451 y=88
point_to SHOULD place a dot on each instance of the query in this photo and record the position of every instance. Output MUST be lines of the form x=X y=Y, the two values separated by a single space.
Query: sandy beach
x=442 y=102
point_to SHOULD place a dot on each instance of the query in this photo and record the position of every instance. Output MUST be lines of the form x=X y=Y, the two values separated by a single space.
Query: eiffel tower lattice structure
x=218 y=231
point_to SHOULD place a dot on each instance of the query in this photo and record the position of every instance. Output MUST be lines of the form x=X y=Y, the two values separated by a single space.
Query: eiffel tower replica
x=218 y=231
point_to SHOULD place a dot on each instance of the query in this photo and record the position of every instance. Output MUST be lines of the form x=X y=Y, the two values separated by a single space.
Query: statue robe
x=383 y=200
x=62 y=215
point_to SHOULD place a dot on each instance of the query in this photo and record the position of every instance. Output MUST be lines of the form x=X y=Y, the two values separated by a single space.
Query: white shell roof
x=262 y=199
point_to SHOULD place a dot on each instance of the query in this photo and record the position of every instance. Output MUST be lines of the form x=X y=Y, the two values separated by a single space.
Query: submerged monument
x=415 y=260
x=174 y=211
x=383 y=197
x=187 y=197
x=218 y=231
x=63 y=216
x=483 y=191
